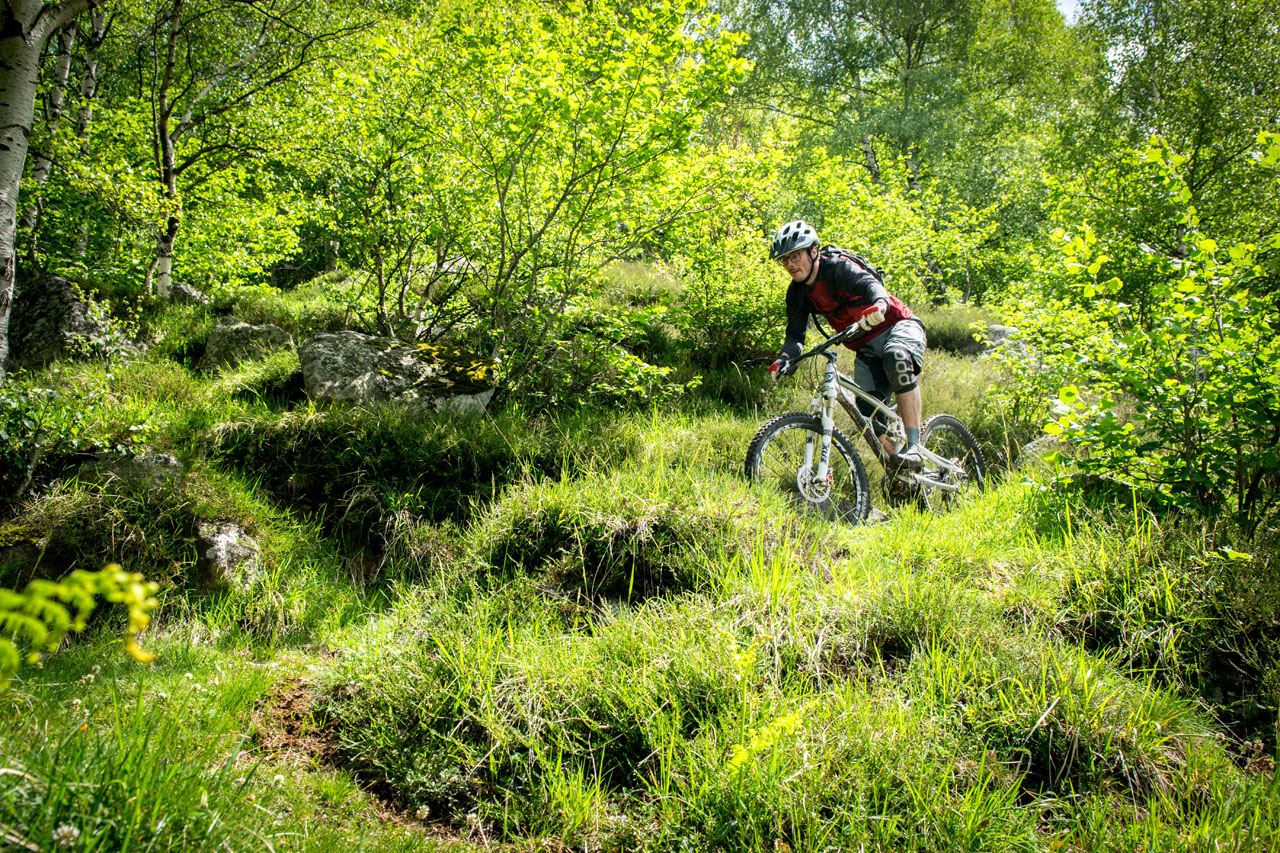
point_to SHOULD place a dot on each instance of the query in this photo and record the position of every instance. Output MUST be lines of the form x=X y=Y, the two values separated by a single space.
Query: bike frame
x=836 y=387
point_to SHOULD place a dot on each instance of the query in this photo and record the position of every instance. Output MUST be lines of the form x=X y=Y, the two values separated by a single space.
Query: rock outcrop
x=52 y=317
x=351 y=367
x=151 y=469
x=233 y=341
x=185 y=294
x=226 y=556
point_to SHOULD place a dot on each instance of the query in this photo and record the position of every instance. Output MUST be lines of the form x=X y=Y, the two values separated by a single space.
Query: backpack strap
x=857 y=259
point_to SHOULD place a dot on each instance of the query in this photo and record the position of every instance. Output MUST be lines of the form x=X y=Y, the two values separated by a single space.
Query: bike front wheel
x=784 y=455
x=950 y=438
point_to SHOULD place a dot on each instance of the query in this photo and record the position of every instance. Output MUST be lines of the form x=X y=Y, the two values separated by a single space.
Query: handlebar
x=852 y=333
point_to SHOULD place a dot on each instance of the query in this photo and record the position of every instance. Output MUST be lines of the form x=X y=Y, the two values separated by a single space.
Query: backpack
x=838 y=252
x=857 y=259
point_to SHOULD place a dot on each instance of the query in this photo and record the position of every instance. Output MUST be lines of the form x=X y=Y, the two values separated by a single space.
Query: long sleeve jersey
x=842 y=293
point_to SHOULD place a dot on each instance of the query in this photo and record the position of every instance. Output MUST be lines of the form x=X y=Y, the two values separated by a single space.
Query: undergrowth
x=584 y=631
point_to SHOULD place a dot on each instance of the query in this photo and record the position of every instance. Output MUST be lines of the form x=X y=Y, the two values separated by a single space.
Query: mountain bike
x=793 y=451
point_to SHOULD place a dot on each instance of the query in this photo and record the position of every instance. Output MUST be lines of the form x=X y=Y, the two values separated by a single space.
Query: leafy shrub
x=1196 y=362
x=1055 y=345
x=592 y=363
x=38 y=427
x=731 y=307
x=36 y=619
x=895 y=224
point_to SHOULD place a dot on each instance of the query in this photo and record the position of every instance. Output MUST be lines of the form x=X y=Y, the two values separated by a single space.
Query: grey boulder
x=352 y=367
x=151 y=469
x=226 y=556
x=233 y=341
x=51 y=317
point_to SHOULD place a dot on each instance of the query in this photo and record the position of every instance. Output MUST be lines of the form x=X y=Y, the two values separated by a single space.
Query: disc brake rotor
x=814 y=491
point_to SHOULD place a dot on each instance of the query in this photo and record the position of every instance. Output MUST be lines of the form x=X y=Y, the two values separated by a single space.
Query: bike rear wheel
x=776 y=458
x=950 y=438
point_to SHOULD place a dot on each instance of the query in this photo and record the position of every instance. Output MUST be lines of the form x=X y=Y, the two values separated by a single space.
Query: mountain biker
x=835 y=284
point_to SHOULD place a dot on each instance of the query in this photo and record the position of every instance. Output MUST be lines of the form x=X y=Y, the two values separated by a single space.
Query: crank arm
x=922 y=480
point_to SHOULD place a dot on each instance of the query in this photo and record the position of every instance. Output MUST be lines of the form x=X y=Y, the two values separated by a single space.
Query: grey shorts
x=869 y=369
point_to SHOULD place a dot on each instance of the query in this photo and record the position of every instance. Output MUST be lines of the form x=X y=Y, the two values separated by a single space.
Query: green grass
x=951 y=327
x=588 y=632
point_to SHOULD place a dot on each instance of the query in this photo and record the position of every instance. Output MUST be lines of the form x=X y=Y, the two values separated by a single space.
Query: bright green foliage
x=101 y=193
x=610 y=640
x=593 y=362
x=36 y=619
x=1201 y=74
x=499 y=164
x=731 y=306
x=182 y=123
x=625 y=546
x=836 y=710
x=967 y=96
x=1063 y=342
x=103 y=764
x=1196 y=362
x=37 y=426
x=899 y=230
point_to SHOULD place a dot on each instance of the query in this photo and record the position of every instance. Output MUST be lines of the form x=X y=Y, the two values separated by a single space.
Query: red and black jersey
x=842 y=293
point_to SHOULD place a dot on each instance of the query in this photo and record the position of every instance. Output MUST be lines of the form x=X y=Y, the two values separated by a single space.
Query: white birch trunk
x=164 y=270
x=89 y=90
x=24 y=27
x=57 y=93
x=166 y=157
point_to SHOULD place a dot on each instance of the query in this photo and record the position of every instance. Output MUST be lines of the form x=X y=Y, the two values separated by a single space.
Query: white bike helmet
x=792 y=236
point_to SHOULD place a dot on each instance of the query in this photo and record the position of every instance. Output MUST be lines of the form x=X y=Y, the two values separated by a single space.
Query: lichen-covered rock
x=52 y=317
x=152 y=469
x=1005 y=337
x=351 y=367
x=185 y=294
x=233 y=341
x=227 y=556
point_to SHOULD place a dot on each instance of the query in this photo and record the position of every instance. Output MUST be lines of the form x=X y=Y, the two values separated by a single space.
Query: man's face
x=798 y=264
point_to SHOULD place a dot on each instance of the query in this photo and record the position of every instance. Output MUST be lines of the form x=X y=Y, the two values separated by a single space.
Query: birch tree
x=203 y=65
x=25 y=26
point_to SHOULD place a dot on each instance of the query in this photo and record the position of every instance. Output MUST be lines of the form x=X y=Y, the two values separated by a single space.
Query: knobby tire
x=776 y=455
x=950 y=438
